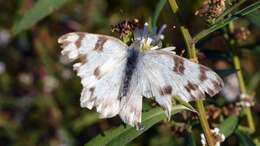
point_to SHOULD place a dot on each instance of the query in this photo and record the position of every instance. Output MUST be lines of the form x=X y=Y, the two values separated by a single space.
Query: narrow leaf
x=40 y=10
x=158 y=10
x=186 y=104
x=229 y=10
x=253 y=7
x=124 y=134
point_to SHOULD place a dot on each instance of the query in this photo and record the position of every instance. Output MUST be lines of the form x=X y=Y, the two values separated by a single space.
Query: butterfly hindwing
x=131 y=103
x=102 y=62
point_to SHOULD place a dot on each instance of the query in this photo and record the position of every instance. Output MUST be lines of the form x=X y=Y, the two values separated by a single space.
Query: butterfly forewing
x=101 y=66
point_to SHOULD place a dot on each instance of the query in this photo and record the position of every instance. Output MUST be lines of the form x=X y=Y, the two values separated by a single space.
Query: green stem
x=188 y=43
x=237 y=65
x=243 y=89
x=158 y=9
x=204 y=122
x=192 y=55
x=250 y=120
x=239 y=74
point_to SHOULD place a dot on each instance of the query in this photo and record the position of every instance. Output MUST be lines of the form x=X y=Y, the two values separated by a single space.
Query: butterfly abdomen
x=131 y=63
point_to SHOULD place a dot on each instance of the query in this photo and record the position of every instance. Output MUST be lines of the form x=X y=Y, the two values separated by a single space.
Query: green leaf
x=253 y=7
x=186 y=104
x=158 y=10
x=124 y=134
x=245 y=140
x=228 y=126
x=40 y=10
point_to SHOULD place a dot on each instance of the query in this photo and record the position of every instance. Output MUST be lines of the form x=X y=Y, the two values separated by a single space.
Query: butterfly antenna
x=160 y=35
x=145 y=32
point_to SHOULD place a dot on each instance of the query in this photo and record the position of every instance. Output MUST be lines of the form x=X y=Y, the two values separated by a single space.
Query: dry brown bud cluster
x=125 y=27
x=214 y=112
x=211 y=9
x=241 y=33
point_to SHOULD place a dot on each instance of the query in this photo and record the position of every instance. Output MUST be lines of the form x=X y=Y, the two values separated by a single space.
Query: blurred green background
x=39 y=92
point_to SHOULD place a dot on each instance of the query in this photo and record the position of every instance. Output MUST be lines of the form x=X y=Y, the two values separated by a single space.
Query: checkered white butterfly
x=116 y=77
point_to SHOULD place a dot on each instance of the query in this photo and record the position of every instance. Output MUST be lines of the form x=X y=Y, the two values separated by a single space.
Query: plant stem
x=189 y=43
x=204 y=122
x=192 y=55
x=243 y=89
x=239 y=74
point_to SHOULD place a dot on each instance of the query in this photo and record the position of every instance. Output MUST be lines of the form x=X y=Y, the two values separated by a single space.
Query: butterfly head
x=149 y=40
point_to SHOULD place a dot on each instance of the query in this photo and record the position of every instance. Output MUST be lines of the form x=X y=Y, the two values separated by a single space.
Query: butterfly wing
x=164 y=74
x=131 y=104
x=102 y=62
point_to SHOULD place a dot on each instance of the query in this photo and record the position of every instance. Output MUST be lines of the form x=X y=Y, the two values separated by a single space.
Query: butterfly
x=115 y=77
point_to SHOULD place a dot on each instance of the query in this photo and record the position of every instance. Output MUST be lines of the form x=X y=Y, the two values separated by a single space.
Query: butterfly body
x=115 y=77
x=132 y=60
